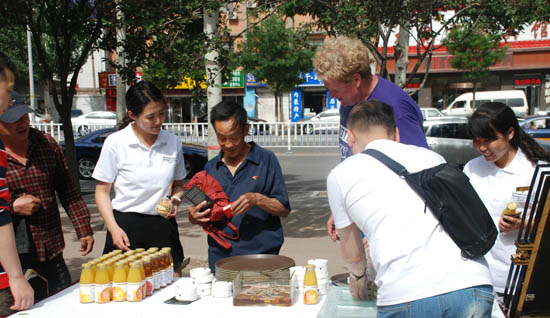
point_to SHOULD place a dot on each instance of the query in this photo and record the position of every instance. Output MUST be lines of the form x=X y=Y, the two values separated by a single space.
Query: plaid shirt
x=45 y=174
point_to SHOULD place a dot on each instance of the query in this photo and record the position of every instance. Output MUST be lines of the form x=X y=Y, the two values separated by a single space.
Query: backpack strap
x=387 y=161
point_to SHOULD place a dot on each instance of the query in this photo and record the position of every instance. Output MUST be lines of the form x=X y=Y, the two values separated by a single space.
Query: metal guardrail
x=268 y=134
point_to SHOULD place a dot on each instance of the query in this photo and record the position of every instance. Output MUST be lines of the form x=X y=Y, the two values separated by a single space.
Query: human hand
x=23 y=294
x=120 y=239
x=86 y=245
x=175 y=206
x=331 y=229
x=357 y=287
x=244 y=203
x=26 y=204
x=508 y=223
x=196 y=216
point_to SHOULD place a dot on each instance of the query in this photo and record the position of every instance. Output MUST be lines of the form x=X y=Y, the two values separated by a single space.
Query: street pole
x=120 y=60
x=214 y=79
x=31 y=71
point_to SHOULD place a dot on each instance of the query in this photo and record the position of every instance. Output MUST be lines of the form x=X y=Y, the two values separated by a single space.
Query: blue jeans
x=473 y=302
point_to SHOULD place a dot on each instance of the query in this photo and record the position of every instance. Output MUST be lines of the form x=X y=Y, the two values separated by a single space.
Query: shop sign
x=523 y=82
x=331 y=102
x=252 y=81
x=311 y=79
x=547 y=89
x=296 y=98
x=108 y=79
x=236 y=80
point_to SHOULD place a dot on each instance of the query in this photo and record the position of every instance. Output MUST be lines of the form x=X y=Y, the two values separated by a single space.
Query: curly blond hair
x=341 y=57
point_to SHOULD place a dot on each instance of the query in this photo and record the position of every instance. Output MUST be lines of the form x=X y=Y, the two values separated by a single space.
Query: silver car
x=327 y=121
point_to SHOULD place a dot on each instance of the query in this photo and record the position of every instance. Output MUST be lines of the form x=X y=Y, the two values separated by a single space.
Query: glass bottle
x=311 y=296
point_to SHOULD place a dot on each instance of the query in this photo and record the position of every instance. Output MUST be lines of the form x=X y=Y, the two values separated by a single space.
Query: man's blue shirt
x=260 y=232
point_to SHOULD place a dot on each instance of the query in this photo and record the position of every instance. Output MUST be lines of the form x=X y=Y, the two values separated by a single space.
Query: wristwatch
x=358 y=277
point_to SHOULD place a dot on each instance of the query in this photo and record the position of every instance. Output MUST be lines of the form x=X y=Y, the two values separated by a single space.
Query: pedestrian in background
x=144 y=164
x=420 y=270
x=508 y=160
x=344 y=66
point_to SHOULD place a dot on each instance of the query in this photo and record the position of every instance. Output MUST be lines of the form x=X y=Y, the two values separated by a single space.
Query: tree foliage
x=277 y=54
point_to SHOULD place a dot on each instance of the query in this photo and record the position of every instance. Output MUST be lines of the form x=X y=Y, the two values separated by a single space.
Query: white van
x=462 y=105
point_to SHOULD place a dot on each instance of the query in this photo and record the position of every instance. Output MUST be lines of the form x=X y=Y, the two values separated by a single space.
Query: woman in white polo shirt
x=508 y=160
x=144 y=164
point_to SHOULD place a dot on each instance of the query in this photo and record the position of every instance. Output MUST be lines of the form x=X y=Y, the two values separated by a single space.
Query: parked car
x=88 y=149
x=83 y=122
x=325 y=120
x=449 y=138
x=431 y=113
x=537 y=126
x=463 y=105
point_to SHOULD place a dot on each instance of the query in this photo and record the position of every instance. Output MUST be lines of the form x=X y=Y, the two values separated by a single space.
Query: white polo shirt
x=140 y=176
x=413 y=256
x=495 y=186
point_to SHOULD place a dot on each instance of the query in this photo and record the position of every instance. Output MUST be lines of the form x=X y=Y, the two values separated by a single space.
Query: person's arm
x=331 y=229
x=103 y=202
x=73 y=203
x=353 y=252
x=22 y=292
x=249 y=200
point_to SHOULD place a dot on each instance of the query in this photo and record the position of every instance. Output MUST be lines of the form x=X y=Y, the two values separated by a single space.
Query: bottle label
x=134 y=291
x=156 y=280
x=102 y=293
x=149 y=286
x=119 y=291
x=170 y=274
x=163 y=278
x=311 y=296
x=87 y=294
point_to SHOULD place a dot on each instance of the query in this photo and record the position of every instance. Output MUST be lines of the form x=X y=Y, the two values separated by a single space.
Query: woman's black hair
x=491 y=117
x=138 y=96
x=227 y=109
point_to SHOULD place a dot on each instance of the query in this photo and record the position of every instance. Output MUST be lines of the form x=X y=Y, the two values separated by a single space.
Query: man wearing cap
x=36 y=171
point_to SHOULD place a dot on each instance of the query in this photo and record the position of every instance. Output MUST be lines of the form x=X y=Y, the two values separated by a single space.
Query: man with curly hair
x=344 y=65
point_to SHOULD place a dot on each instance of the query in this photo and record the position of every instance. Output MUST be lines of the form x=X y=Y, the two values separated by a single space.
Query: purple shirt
x=408 y=117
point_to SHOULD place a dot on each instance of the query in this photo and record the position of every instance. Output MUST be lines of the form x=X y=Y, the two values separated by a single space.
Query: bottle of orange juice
x=310 y=286
x=119 y=282
x=87 y=284
x=148 y=267
x=133 y=284
x=102 y=284
x=170 y=262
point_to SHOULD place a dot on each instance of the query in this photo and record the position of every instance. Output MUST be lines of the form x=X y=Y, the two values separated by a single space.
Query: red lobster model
x=220 y=208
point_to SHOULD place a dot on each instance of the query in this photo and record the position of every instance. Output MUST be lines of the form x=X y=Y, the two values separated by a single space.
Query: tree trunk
x=277 y=117
x=402 y=57
x=214 y=80
x=70 y=150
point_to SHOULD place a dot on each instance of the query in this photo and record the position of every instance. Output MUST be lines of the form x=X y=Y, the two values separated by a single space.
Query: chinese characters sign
x=296 y=104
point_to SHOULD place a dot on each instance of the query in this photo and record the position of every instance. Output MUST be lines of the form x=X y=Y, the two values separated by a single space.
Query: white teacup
x=185 y=290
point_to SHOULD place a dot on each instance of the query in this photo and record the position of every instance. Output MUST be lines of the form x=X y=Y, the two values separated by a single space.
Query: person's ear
x=351 y=138
x=246 y=129
x=356 y=79
x=397 y=138
x=131 y=115
x=511 y=133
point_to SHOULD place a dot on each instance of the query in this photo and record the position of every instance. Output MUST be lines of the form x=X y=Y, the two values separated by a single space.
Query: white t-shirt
x=495 y=186
x=414 y=258
x=140 y=176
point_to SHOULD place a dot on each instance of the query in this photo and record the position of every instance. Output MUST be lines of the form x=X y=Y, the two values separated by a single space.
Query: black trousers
x=54 y=270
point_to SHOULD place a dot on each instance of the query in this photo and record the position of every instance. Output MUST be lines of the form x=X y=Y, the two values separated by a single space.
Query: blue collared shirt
x=260 y=231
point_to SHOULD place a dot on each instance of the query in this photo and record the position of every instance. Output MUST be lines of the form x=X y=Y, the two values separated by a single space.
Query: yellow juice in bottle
x=119 y=282
x=87 y=294
x=148 y=267
x=102 y=284
x=170 y=263
x=311 y=296
x=133 y=285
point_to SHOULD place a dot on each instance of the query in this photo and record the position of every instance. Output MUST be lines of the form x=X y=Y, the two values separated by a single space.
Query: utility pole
x=31 y=71
x=213 y=79
x=120 y=60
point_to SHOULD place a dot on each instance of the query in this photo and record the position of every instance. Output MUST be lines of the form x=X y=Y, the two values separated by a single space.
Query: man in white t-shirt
x=420 y=271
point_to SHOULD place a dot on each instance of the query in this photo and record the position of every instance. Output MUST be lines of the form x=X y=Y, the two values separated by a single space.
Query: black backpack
x=448 y=193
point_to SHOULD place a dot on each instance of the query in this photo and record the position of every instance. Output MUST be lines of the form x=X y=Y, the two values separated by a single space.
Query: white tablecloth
x=67 y=304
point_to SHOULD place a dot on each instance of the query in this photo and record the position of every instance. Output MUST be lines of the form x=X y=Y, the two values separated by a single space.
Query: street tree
x=63 y=35
x=474 y=51
x=276 y=54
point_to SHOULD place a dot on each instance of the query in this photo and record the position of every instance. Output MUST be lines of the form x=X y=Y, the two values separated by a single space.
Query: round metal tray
x=228 y=268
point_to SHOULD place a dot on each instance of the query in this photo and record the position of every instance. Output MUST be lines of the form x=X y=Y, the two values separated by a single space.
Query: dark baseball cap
x=16 y=110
